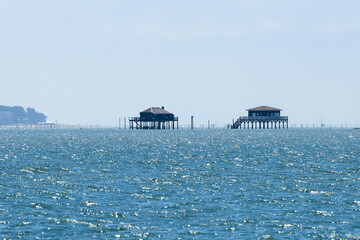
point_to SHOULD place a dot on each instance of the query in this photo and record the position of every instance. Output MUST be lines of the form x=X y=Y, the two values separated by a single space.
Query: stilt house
x=154 y=118
x=262 y=117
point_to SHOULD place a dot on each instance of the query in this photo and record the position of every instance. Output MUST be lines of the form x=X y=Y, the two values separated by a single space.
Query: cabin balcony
x=151 y=120
x=263 y=118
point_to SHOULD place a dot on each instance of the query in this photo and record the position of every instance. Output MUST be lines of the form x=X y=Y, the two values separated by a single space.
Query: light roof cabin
x=262 y=117
x=264 y=111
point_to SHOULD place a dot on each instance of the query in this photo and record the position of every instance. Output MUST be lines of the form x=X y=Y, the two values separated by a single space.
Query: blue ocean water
x=180 y=184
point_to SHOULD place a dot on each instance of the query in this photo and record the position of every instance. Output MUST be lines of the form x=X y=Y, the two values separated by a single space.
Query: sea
x=180 y=184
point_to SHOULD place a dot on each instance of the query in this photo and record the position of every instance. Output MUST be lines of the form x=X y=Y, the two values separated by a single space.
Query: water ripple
x=200 y=184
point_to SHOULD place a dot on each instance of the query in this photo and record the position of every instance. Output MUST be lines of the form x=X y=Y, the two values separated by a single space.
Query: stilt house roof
x=264 y=108
x=156 y=110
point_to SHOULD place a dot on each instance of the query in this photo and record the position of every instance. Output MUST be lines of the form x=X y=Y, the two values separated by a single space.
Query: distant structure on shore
x=154 y=118
x=17 y=116
x=261 y=117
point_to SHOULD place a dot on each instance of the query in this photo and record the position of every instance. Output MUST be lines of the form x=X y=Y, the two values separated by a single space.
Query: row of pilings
x=263 y=124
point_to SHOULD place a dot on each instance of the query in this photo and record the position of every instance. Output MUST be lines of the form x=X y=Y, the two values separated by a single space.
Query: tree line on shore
x=18 y=115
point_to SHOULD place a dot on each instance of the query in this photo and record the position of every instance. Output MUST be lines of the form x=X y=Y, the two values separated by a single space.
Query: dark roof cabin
x=156 y=114
x=154 y=118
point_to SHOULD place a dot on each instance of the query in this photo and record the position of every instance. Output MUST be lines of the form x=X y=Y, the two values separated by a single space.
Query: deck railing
x=262 y=118
x=134 y=119
x=138 y=119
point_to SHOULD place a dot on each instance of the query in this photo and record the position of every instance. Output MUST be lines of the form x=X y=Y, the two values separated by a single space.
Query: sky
x=91 y=62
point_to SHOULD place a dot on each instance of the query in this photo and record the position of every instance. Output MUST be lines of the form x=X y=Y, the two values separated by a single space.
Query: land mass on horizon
x=18 y=115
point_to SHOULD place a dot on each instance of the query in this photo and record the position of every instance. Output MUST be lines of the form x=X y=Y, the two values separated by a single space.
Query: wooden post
x=192 y=122
x=119 y=123
x=124 y=122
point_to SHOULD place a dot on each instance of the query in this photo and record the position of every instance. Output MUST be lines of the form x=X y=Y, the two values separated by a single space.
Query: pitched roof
x=156 y=110
x=264 y=108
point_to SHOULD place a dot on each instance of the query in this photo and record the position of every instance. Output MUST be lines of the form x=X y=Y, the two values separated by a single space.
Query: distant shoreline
x=98 y=126
x=74 y=126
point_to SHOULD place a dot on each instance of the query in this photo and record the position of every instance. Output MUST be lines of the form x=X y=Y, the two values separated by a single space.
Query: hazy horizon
x=91 y=62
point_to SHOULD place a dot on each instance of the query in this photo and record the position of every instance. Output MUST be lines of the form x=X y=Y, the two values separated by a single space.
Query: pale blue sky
x=90 y=62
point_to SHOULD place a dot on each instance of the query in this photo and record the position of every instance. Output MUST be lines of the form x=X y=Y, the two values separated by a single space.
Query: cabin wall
x=264 y=113
x=156 y=117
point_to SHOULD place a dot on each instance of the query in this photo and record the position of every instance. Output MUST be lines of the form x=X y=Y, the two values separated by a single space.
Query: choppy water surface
x=180 y=184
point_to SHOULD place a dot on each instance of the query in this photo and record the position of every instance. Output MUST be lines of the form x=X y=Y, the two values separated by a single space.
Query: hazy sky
x=91 y=62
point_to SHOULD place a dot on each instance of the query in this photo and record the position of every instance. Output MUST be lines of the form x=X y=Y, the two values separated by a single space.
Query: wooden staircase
x=237 y=123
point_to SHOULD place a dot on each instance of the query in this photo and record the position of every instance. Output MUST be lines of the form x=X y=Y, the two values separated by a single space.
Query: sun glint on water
x=199 y=184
